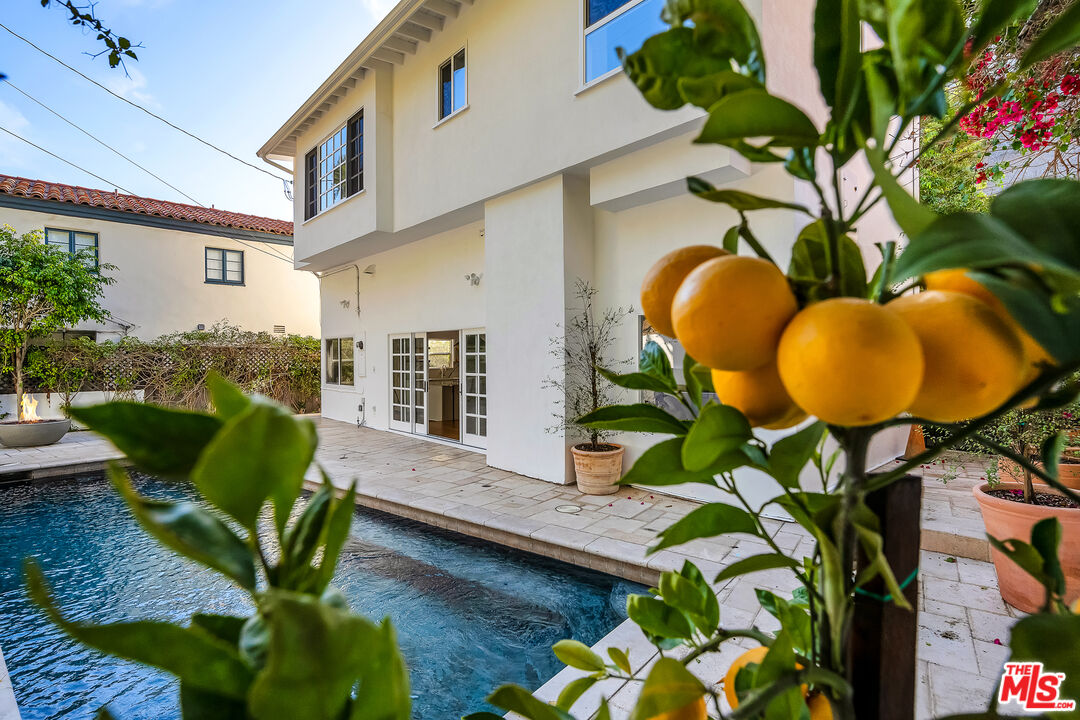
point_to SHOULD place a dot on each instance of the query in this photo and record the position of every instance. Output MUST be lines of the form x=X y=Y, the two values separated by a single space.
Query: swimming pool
x=470 y=615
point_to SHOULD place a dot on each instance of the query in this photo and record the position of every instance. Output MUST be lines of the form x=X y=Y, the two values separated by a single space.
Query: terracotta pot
x=1068 y=472
x=598 y=473
x=1005 y=519
x=916 y=442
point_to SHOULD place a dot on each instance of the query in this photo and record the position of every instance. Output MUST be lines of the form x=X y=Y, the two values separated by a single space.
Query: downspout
x=355 y=267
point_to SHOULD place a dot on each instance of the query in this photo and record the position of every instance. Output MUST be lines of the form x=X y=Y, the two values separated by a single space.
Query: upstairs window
x=224 y=267
x=75 y=242
x=613 y=24
x=334 y=171
x=452 y=85
x=339 y=361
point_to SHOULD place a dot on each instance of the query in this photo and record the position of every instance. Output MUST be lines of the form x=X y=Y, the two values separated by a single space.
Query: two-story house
x=464 y=166
x=177 y=267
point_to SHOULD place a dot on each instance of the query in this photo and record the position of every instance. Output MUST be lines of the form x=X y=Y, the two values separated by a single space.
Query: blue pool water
x=470 y=615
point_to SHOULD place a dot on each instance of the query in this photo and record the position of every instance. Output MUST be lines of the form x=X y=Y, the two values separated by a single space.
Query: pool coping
x=9 y=709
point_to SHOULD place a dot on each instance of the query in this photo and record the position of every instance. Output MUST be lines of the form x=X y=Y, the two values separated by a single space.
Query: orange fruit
x=957 y=280
x=693 y=711
x=757 y=393
x=820 y=707
x=754 y=655
x=729 y=312
x=850 y=362
x=793 y=418
x=973 y=359
x=663 y=279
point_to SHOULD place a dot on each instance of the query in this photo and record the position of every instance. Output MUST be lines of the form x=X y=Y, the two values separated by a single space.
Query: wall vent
x=279 y=329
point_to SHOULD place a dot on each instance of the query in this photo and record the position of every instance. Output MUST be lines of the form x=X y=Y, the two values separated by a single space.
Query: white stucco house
x=177 y=267
x=467 y=163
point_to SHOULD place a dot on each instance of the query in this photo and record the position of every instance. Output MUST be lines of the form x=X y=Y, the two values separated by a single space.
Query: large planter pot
x=1068 y=471
x=598 y=473
x=1006 y=519
x=42 y=432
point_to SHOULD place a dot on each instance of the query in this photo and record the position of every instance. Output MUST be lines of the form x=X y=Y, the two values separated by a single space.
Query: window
x=613 y=24
x=224 y=267
x=440 y=354
x=83 y=244
x=339 y=361
x=334 y=171
x=452 y=85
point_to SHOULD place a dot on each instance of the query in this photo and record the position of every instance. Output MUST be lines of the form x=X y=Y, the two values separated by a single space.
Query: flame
x=29 y=410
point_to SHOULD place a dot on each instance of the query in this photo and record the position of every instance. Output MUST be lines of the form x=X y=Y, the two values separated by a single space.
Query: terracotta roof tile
x=58 y=192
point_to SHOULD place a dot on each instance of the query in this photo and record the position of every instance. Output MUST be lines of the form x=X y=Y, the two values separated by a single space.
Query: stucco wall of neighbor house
x=160 y=283
x=420 y=287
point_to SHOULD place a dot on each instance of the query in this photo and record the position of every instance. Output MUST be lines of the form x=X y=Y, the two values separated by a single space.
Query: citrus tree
x=997 y=327
x=42 y=289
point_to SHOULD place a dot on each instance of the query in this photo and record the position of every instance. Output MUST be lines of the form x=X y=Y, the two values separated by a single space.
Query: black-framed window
x=453 y=85
x=334 y=171
x=76 y=242
x=339 y=361
x=224 y=267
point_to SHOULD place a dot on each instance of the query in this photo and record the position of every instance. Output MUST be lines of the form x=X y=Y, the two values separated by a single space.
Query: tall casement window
x=334 y=171
x=75 y=242
x=224 y=267
x=453 y=85
x=611 y=24
x=339 y=361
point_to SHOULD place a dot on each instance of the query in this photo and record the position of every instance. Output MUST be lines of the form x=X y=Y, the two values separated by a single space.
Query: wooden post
x=881 y=655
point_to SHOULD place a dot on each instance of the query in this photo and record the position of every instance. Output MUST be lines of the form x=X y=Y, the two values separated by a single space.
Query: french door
x=403 y=350
x=474 y=387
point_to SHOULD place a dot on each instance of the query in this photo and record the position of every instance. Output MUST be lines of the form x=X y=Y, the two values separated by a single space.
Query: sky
x=230 y=71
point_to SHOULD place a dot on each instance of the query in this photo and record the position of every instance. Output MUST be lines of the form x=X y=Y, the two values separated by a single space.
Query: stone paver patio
x=962 y=618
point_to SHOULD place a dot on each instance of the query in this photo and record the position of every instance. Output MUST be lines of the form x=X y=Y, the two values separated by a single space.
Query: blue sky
x=231 y=71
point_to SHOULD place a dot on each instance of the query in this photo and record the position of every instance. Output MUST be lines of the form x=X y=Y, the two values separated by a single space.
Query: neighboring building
x=469 y=161
x=178 y=267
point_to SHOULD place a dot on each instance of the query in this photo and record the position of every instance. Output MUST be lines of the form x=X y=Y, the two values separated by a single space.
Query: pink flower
x=1070 y=85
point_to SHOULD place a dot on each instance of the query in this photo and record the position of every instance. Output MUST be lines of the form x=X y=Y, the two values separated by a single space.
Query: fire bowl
x=31 y=434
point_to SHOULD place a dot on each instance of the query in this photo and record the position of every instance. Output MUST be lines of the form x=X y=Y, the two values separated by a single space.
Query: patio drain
x=568 y=509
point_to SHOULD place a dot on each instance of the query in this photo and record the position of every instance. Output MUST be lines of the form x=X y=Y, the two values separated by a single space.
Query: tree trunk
x=20 y=359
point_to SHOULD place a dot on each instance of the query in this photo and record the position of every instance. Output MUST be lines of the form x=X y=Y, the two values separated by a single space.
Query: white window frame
x=439 y=117
x=586 y=30
x=328 y=360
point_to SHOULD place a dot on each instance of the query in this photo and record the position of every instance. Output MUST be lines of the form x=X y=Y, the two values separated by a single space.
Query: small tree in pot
x=42 y=289
x=580 y=352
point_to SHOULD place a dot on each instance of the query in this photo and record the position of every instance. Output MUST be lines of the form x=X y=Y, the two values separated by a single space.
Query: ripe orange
x=693 y=711
x=820 y=707
x=754 y=655
x=957 y=280
x=850 y=362
x=793 y=418
x=758 y=394
x=663 y=279
x=729 y=312
x=974 y=360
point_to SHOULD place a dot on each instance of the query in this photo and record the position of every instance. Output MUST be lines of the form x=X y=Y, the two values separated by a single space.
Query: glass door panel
x=474 y=387
x=401 y=382
x=420 y=383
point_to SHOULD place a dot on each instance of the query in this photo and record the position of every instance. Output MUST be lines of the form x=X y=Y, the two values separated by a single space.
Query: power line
x=77 y=167
x=101 y=142
x=140 y=107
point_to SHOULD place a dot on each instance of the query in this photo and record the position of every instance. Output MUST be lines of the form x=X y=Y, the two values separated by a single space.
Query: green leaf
x=706 y=521
x=519 y=700
x=756 y=113
x=873 y=546
x=337 y=532
x=789 y=455
x=724 y=29
x=196 y=657
x=993 y=16
x=692 y=380
x=657 y=618
x=1052 y=447
x=705 y=91
x=1031 y=307
x=810 y=259
x=740 y=201
x=574 y=690
x=666 y=61
x=482 y=716
x=1051 y=640
x=139 y=431
x=912 y=216
x=228 y=399
x=669 y=686
x=224 y=627
x=621 y=659
x=718 y=430
x=662 y=465
x=1063 y=34
x=301 y=541
x=654 y=361
x=577 y=655
x=317 y=655
x=198 y=705
x=793 y=619
x=755 y=563
x=708 y=619
x=692 y=599
x=1046 y=539
x=190 y=531
x=837 y=44
x=1024 y=555
x=262 y=453
x=639 y=417
x=731 y=240
x=1046 y=213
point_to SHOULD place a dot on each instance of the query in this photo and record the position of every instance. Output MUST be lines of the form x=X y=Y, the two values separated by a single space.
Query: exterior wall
x=160 y=283
x=419 y=287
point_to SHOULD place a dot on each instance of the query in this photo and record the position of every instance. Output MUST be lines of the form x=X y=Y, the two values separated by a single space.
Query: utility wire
x=101 y=142
x=77 y=167
x=140 y=107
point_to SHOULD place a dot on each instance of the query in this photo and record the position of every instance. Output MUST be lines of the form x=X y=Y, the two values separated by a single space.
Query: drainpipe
x=355 y=267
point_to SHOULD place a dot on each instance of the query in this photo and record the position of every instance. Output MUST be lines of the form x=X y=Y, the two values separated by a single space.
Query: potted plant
x=42 y=289
x=1016 y=498
x=580 y=352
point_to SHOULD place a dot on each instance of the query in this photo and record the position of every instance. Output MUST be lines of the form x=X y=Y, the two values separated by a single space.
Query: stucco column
x=538 y=241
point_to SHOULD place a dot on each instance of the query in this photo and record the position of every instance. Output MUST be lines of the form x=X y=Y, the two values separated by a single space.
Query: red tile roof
x=58 y=192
